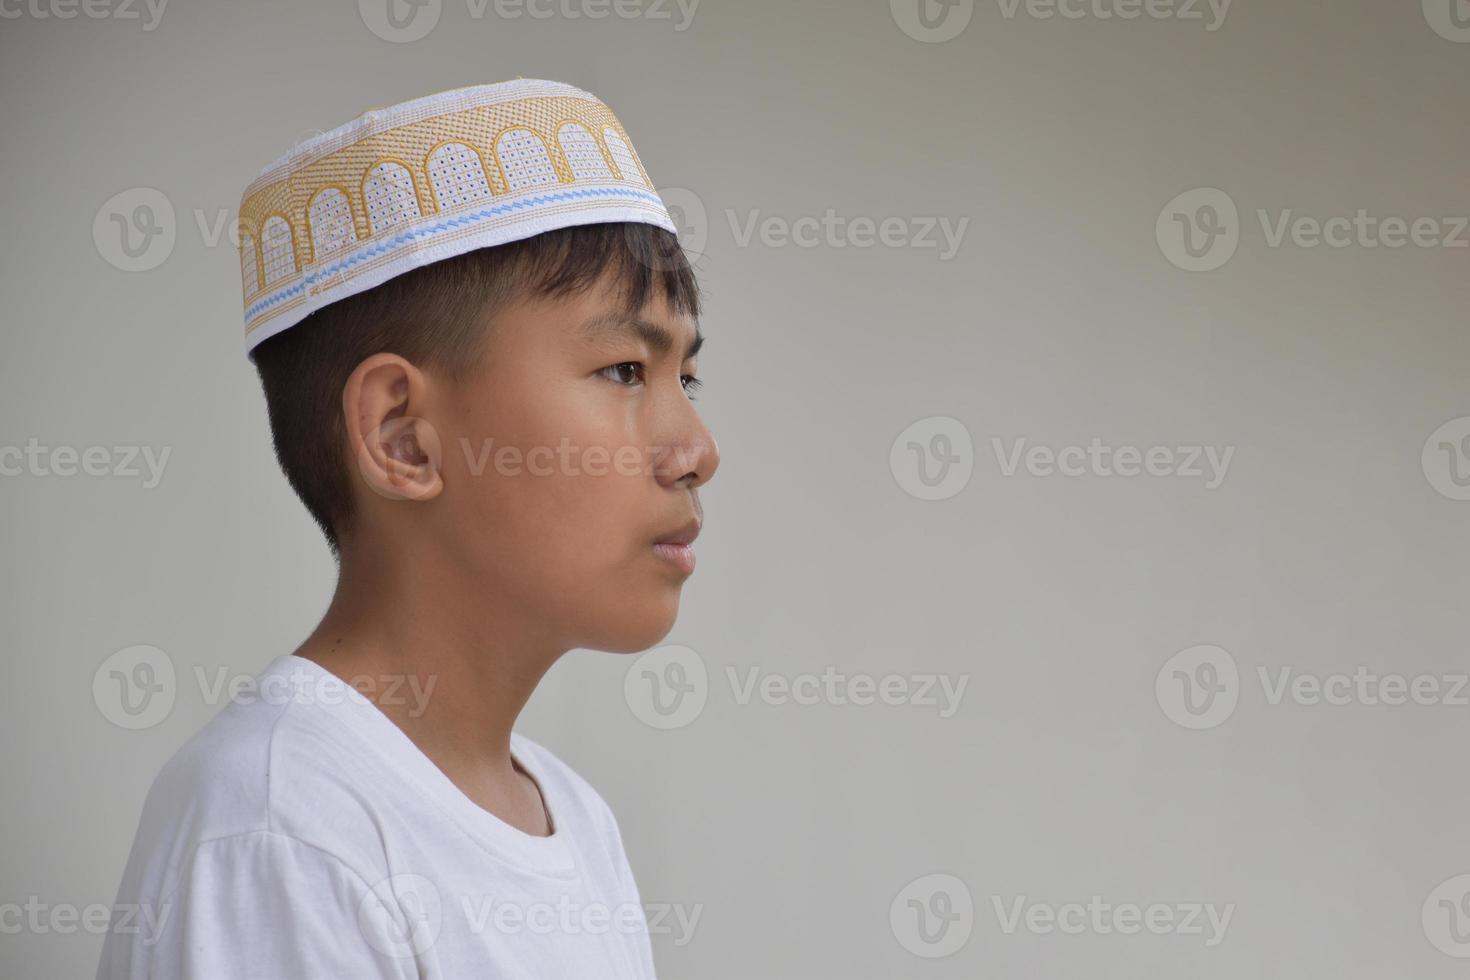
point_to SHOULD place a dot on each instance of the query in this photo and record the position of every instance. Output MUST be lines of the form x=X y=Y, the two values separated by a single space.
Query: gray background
x=793 y=828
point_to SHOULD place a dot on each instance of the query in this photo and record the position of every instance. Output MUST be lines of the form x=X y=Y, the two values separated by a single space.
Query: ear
x=398 y=453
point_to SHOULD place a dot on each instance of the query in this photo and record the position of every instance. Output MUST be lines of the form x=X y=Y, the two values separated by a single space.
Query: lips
x=676 y=547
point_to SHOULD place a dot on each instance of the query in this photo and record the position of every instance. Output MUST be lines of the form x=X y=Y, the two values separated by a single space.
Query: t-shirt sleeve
x=266 y=905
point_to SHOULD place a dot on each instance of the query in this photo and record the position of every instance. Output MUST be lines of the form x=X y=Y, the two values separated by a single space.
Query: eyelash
x=689 y=381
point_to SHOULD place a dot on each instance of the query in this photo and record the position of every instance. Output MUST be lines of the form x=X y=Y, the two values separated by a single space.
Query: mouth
x=677 y=547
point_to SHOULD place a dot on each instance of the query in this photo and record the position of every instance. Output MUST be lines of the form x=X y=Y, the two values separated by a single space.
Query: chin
x=625 y=633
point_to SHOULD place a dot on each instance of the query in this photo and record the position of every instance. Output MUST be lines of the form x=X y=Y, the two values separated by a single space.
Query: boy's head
x=509 y=420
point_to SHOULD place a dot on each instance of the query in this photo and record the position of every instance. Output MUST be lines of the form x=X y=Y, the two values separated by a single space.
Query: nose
x=689 y=456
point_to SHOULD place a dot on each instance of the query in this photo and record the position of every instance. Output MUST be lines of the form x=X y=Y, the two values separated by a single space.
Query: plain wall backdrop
x=1179 y=685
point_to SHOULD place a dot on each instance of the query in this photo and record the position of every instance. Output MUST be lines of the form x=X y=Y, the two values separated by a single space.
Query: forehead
x=600 y=318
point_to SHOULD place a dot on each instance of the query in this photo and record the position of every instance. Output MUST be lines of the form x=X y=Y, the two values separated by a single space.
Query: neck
x=413 y=632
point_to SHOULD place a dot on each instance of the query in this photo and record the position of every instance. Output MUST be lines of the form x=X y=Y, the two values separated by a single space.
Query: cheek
x=558 y=527
x=552 y=500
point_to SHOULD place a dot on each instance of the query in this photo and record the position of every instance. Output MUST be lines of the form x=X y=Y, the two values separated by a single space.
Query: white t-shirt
x=301 y=835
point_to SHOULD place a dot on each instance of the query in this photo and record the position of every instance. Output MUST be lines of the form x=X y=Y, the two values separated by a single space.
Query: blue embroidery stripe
x=458 y=221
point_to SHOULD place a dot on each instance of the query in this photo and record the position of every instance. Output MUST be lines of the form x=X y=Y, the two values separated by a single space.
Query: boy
x=477 y=336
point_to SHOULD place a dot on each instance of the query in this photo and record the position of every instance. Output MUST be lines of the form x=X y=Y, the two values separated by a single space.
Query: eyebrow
x=655 y=336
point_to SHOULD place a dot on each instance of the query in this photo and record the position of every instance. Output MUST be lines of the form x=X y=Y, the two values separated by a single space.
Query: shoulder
x=245 y=769
x=268 y=765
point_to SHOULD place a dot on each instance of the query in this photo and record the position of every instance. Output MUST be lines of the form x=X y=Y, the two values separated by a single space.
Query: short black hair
x=435 y=317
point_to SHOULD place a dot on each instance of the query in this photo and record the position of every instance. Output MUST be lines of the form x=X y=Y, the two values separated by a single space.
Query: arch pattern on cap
x=277 y=251
x=457 y=175
x=329 y=216
x=525 y=159
x=622 y=154
x=585 y=155
x=390 y=195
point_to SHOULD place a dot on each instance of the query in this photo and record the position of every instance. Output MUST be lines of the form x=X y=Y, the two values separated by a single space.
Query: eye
x=616 y=372
x=631 y=372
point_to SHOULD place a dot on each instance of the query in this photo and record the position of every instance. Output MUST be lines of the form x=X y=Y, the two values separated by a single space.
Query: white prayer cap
x=401 y=187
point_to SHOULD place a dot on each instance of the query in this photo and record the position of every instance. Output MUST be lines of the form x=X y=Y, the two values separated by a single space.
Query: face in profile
x=572 y=462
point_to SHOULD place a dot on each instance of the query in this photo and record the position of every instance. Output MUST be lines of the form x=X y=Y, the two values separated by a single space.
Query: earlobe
x=398 y=454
